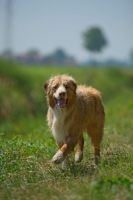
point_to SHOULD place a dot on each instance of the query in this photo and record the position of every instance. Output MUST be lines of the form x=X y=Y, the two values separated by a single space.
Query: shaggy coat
x=72 y=110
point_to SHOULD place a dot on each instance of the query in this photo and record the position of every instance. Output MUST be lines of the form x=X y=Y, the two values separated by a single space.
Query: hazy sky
x=49 y=24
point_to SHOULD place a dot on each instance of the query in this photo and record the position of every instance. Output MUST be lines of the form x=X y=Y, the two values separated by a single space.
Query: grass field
x=27 y=145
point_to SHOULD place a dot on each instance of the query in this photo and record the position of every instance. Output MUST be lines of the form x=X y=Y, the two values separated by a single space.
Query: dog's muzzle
x=61 y=103
x=61 y=97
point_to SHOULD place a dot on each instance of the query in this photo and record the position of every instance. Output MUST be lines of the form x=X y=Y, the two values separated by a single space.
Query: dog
x=72 y=110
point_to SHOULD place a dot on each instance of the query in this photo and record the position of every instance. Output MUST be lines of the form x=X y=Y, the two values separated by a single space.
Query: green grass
x=27 y=145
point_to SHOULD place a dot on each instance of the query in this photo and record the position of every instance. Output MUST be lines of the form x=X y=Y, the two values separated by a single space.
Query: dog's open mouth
x=61 y=102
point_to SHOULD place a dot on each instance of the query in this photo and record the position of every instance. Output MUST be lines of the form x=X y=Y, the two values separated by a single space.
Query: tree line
x=94 y=41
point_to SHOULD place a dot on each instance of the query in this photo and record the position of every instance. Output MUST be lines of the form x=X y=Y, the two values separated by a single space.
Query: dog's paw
x=78 y=157
x=58 y=157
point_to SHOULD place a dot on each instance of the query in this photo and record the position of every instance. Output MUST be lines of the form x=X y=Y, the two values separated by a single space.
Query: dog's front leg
x=66 y=148
x=59 y=156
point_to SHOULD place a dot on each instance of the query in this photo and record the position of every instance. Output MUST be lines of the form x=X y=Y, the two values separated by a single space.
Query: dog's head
x=61 y=90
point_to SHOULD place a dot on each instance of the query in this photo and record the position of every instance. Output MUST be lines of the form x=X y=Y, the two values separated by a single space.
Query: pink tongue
x=61 y=103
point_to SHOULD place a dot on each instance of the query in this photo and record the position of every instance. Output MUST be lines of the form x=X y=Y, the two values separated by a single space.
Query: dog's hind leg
x=96 y=134
x=79 y=152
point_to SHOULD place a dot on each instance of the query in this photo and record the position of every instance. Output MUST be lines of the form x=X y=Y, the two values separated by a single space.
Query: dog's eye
x=55 y=87
x=66 y=86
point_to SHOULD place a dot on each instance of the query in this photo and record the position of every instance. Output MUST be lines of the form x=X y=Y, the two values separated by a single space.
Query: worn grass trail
x=27 y=172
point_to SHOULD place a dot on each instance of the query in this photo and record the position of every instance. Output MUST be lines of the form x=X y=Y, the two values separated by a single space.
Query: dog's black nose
x=62 y=94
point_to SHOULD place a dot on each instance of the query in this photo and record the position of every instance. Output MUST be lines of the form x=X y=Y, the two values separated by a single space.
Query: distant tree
x=94 y=39
x=33 y=52
x=7 y=54
x=60 y=54
x=33 y=56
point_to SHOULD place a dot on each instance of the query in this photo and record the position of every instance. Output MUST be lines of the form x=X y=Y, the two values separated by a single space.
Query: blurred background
x=89 y=40
x=52 y=32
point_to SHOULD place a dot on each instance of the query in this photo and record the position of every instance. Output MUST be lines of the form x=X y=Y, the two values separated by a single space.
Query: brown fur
x=82 y=111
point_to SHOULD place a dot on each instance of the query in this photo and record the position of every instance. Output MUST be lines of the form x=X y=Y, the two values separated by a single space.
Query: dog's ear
x=73 y=82
x=45 y=86
x=75 y=85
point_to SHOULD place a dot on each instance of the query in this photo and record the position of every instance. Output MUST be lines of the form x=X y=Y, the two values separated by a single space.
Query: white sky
x=48 y=24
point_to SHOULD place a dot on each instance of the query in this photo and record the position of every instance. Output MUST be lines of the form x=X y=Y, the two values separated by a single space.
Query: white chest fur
x=58 y=127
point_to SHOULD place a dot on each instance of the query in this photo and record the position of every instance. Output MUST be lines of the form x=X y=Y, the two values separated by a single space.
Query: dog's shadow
x=80 y=170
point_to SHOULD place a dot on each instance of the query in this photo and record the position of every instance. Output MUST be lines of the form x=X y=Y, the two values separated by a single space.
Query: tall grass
x=22 y=93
